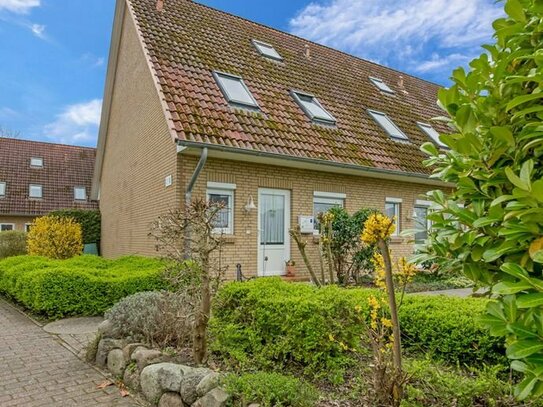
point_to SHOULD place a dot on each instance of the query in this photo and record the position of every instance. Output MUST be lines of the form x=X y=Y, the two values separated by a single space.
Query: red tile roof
x=64 y=167
x=187 y=41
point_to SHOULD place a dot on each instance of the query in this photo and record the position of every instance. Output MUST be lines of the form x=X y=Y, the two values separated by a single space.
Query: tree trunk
x=199 y=344
x=397 y=346
x=301 y=247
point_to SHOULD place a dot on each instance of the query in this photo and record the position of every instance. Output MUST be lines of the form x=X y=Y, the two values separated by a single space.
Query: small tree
x=491 y=225
x=54 y=237
x=192 y=229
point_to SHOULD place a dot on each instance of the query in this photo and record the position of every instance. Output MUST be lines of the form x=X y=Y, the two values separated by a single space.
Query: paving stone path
x=37 y=369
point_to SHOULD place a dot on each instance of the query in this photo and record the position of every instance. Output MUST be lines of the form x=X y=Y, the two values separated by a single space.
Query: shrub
x=270 y=390
x=270 y=324
x=89 y=220
x=158 y=318
x=12 y=243
x=83 y=285
x=54 y=237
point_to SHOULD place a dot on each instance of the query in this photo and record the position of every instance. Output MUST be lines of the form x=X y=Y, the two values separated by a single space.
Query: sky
x=54 y=52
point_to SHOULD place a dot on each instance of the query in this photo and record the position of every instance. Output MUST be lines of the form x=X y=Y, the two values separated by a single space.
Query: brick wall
x=248 y=177
x=18 y=221
x=139 y=154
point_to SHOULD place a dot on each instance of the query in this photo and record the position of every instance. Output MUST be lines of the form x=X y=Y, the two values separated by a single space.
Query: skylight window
x=36 y=162
x=235 y=91
x=431 y=132
x=388 y=125
x=313 y=109
x=267 y=50
x=381 y=85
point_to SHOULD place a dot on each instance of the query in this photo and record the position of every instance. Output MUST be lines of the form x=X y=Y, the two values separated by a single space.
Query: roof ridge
x=310 y=41
x=45 y=142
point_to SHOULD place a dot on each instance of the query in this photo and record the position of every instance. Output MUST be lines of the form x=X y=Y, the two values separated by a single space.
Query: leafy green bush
x=83 y=285
x=270 y=390
x=89 y=220
x=271 y=324
x=429 y=282
x=157 y=318
x=12 y=243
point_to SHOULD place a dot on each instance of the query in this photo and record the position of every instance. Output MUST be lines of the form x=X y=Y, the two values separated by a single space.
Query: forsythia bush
x=55 y=237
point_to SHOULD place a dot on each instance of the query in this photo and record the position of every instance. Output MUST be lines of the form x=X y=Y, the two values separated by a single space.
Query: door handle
x=266 y=258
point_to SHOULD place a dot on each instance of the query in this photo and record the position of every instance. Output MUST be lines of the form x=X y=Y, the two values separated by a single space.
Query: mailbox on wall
x=306 y=223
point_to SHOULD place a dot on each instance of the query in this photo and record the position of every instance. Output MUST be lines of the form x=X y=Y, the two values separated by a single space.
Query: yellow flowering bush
x=55 y=237
x=379 y=266
x=377 y=227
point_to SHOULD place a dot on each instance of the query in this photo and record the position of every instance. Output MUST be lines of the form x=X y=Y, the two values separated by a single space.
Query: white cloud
x=77 y=124
x=401 y=33
x=92 y=60
x=19 y=6
x=38 y=30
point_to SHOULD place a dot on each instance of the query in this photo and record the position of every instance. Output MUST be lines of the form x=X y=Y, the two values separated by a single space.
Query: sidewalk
x=37 y=369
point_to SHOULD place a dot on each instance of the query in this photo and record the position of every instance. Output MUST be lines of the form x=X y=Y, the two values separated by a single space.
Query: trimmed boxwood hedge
x=83 y=285
x=270 y=324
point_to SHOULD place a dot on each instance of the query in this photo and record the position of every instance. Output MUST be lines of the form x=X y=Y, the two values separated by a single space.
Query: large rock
x=106 y=329
x=116 y=362
x=104 y=347
x=208 y=383
x=215 y=398
x=171 y=400
x=161 y=377
x=145 y=357
x=189 y=384
x=129 y=349
x=131 y=377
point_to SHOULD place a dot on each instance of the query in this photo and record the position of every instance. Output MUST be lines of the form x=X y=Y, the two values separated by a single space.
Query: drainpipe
x=188 y=194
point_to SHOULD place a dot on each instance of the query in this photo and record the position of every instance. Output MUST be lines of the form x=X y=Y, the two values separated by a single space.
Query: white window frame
x=36 y=162
x=3 y=188
x=221 y=188
x=402 y=136
x=330 y=120
x=84 y=191
x=261 y=48
x=381 y=85
x=7 y=224
x=30 y=186
x=334 y=198
x=218 y=79
x=434 y=137
x=397 y=202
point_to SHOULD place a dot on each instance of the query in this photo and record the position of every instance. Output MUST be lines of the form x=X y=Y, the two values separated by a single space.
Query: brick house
x=199 y=102
x=37 y=178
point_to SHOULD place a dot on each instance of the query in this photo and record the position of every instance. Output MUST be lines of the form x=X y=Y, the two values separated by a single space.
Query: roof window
x=381 y=85
x=36 y=162
x=313 y=109
x=431 y=132
x=235 y=91
x=388 y=125
x=267 y=50
x=2 y=189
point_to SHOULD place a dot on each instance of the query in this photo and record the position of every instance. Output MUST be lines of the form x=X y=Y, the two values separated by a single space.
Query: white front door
x=273 y=227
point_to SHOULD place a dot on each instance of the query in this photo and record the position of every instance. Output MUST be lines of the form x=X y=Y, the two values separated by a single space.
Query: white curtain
x=272 y=219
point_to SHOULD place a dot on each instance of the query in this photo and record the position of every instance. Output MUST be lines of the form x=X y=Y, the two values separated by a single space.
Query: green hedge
x=88 y=219
x=83 y=285
x=12 y=243
x=270 y=324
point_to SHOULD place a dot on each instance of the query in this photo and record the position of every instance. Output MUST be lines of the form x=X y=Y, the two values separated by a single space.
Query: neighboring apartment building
x=37 y=178
x=274 y=126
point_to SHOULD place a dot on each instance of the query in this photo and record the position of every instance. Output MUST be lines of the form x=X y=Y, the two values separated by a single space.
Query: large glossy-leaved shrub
x=491 y=224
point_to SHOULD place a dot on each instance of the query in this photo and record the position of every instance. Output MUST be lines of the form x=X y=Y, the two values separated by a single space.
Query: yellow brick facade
x=19 y=222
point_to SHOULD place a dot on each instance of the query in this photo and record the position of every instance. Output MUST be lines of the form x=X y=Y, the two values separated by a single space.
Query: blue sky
x=54 y=52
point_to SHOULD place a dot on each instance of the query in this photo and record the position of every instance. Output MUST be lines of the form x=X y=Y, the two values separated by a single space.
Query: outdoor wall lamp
x=250 y=206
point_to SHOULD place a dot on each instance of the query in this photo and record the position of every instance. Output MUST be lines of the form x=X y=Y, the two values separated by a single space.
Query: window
x=323 y=202
x=36 y=162
x=223 y=195
x=35 y=191
x=80 y=193
x=6 y=227
x=28 y=226
x=393 y=211
x=388 y=125
x=422 y=224
x=313 y=109
x=431 y=132
x=2 y=189
x=234 y=89
x=267 y=50
x=381 y=85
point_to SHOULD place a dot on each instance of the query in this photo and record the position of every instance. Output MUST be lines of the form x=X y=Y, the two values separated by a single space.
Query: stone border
x=157 y=376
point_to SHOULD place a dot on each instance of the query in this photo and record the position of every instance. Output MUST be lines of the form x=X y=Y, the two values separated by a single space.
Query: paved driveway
x=37 y=370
